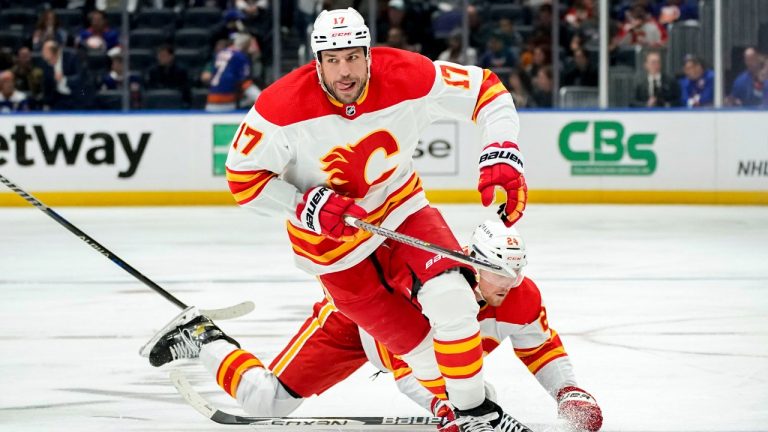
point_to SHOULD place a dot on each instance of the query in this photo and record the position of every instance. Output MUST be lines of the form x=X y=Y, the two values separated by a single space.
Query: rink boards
x=571 y=156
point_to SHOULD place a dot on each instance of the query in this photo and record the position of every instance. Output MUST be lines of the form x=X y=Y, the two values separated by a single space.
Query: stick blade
x=230 y=312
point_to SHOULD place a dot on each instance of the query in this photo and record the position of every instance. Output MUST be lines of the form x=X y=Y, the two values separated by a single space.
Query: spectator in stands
x=303 y=17
x=581 y=12
x=479 y=33
x=232 y=25
x=519 y=87
x=166 y=74
x=542 y=25
x=454 y=52
x=579 y=71
x=698 y=85
x=252 y=8
x=764 y=77
x=496 y=54
x=511 y=37
x=11 y=100
x=543 y=87
x=61 y=77
x=98 y=36
x=655 y=89
x=231 y=84
x=209 y=69
x=113 y=78
x=396 y=39
x=748 y=88
x=640 y=29
x=671 y=11
x=542 y=56
x=48 y=28
x=29 y=78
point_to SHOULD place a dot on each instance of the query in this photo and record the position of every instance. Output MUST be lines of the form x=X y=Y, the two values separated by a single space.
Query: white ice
x=663 y=309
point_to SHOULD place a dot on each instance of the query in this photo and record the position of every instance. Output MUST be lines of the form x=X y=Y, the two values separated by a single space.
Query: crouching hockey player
x=510 y=307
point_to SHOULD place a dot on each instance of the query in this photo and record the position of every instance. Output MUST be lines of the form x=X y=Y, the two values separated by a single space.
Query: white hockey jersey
x=297 y=137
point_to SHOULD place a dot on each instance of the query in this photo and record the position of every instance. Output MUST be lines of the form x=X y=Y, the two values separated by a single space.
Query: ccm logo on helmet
x=501 y=154
x=341 y=34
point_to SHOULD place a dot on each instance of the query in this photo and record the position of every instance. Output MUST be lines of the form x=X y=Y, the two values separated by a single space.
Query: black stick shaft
x=98 y=247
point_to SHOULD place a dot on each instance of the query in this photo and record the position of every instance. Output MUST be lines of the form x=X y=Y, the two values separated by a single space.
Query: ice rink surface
x=663 y=309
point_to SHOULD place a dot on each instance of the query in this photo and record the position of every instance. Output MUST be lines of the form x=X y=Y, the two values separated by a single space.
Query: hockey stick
x=429 y=247
x=199 y=403
x=224 y=313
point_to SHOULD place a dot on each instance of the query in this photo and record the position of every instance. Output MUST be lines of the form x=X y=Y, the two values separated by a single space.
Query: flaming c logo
x=354 y=168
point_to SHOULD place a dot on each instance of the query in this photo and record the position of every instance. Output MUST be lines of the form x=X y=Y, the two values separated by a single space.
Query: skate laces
x=469 y=423
x=509 y=424
x=187 y=347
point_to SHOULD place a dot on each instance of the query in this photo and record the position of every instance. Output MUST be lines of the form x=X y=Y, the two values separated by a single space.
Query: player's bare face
x=494 y=288
x=345 y=73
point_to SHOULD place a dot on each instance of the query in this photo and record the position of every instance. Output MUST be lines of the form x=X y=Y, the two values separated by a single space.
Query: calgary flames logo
x=354 y=168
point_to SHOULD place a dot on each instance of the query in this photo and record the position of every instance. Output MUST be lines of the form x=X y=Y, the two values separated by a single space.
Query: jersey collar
x=350 y=110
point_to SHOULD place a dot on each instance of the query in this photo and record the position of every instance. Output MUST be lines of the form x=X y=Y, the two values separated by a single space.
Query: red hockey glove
x=579 y=408
x=502 y=165
x=323 y=212
x=443 y=411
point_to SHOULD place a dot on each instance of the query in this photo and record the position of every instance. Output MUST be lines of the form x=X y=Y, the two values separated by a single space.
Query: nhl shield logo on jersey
x=350 y=110
x=354 y=168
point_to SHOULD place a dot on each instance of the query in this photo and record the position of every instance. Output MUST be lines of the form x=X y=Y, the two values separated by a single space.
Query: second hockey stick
x=429 y=247
x=224 y=313
x=198 y=402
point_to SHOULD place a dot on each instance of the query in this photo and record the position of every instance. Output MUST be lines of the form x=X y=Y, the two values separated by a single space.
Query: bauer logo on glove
x=501 y=164
x=322 y=211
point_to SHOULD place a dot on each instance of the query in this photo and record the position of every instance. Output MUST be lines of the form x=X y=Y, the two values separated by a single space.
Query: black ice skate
x=182 y=338
x=483 y=418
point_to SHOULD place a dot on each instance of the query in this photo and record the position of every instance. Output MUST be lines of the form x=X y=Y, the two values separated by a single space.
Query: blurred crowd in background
x=217 y=55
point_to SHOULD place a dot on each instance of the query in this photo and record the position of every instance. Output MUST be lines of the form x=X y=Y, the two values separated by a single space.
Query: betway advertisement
x=564 y=151
x=108 y=152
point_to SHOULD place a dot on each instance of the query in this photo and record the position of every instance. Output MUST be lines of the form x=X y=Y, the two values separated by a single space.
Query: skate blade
x=186 y=315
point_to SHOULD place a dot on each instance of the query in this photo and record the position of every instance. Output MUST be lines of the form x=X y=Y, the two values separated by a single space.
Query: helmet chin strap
x=320 y=73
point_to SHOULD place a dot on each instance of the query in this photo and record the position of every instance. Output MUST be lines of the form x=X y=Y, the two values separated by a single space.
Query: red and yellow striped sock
x=232 y=368
x=461 y=362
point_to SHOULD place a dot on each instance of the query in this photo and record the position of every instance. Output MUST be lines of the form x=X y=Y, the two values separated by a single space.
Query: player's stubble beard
x=359 y=82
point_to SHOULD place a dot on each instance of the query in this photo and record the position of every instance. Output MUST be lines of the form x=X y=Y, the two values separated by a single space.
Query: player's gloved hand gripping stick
x=217 y=314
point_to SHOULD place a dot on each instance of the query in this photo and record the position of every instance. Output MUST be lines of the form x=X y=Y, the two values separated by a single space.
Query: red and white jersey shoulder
x=297 y=137
x=522 y=318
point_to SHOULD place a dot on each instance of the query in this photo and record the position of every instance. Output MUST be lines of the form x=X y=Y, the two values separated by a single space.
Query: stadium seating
x=202 y=17
x=190 y=59
x=22 y=19
x=71 y=19
x=146 y=38
x=578 y=97
x=621 y=85
x=156 y=18
x=162 y=99
x=109 y=100
x=190 y=38
x=12 y=39
x=141 y=59
x=199 y=98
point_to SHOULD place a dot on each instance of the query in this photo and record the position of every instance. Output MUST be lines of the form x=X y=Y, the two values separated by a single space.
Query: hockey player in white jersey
x=336 y=137
x=329 y=347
